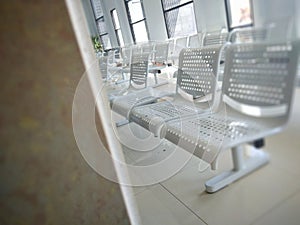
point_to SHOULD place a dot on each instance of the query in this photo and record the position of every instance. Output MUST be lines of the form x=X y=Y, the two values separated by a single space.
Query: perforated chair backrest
x=179 y=44
x=111 y=57
x=139 y=69
x=103 y=66
x=182 y=42
x=250 y=35
x=195 y=41
x=198 y=71
x=136 y=49
x=215 y=38
x=148 y=47
x=126 y=55
x=171 y=47
x=259 y=78
x=161 y=51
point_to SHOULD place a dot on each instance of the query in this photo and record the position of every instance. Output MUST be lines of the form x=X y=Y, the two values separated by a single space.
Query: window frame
x=229 y=16
x=100 y=33
x=165 y=11
x=131 y=24
x=117 y=29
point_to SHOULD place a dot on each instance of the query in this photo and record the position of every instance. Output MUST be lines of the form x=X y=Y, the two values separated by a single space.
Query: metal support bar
x=241 y=168
x=121 y=123
x=238 y=158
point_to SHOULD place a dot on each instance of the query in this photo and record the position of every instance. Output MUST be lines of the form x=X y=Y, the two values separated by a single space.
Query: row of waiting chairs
x=238 y=35
x=136 y=59
x=163 y=53
x=254 y=101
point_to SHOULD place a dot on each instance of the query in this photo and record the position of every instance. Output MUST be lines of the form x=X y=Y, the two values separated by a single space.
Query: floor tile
x=284 y=147
x=156 y=163
x=138 y=190
x=240 y=203
x=158 y=206
x=285 y=213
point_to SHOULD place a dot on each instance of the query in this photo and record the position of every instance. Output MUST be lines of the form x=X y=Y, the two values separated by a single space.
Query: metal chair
x=103 y=66
x=256 y=99
x=159 y=60
x=196 y=81
x=114 y=67
x=250 y=34
x=139 y=70
x=138 y=92
x=215 y=38
x=195 y=41
x=126 y=53
x=177 y=44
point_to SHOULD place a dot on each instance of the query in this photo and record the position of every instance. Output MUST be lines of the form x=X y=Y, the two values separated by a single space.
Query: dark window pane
x=168 y=4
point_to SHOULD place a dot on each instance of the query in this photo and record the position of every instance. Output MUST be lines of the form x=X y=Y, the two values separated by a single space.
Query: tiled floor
x=269 y=196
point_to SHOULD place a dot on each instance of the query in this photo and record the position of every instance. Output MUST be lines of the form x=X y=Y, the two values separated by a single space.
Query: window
x=137 y=20
x=239 y=13
x=179 y=17
x=117 y=27
x=98 y=13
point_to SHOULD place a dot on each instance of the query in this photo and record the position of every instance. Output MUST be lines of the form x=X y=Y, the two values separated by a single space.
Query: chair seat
x=124 y=104
x=206 y=136
x=152 y=117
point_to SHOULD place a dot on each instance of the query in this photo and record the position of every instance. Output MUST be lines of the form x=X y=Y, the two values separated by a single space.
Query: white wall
x=297 y=20
x=108 y=5
x=88 y=10
x=210 y=15
x=155 y=20
x=281 y=12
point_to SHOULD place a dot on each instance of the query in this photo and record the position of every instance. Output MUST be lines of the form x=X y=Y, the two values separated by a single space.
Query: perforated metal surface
x=123 y=104
x=208 y=135
x=126 y=55
x=182 y=41
x=171 y=47
x=256 y=74
x=161 y=52
x=249 y=35
x=147 y=47
x=164 y=110
x=198 y=70
x=259 y=74
x=139 y=69
x=103 y=66
x=214 y=128
x=195 y=41
x=136 y=49
x=214 y=38
x=202 y=65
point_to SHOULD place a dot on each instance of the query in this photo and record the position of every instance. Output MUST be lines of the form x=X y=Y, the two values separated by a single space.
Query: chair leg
x=155 y=77
x=122 y=123
x=241 y=168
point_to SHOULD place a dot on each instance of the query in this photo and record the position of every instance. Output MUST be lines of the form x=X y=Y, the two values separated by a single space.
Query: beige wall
x=44 y=179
